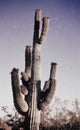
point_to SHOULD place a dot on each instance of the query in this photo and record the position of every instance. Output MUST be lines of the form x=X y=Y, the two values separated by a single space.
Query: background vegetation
x=58 y=116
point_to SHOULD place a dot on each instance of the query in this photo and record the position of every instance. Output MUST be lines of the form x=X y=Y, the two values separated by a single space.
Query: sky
x=62 y=44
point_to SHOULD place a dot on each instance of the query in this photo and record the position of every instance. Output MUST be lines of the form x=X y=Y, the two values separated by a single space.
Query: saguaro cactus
x=28 y=98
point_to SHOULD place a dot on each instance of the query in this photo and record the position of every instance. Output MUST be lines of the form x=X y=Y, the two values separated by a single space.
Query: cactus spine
x=28 y=98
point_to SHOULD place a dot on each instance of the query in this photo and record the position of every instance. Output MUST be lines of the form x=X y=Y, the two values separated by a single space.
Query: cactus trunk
x=36 y=85
x=28 y=98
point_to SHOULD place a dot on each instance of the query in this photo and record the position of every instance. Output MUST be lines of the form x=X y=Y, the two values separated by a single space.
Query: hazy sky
x=62 y=44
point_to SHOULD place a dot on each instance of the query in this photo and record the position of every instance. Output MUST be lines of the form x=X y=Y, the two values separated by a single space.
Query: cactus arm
x=18 y=97
x=36 y=25
x=24 y=90
x=53 y=70
x=47 y=96
x=45 y=26
x=49 y=88
x=28 y=55
x=46 y=86
x=26 y=76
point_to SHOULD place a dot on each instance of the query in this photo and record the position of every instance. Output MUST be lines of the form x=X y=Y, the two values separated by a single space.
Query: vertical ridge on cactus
x=28 y=98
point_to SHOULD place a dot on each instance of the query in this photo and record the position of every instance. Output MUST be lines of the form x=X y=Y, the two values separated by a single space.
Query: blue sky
x=62 y=44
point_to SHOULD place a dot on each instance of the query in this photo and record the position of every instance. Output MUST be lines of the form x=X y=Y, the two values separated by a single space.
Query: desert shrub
x=59 y=117
x=56 y=117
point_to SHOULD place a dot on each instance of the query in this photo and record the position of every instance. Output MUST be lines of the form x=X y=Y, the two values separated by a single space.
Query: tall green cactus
x=28 y=98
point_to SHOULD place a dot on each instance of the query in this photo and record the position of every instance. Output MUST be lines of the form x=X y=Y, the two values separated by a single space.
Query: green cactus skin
x=34 y=99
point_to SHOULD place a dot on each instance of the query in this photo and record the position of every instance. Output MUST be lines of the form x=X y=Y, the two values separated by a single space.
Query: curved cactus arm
x=25 y=79
x=47 y=96
x=25 y=76
x=49 y=88
x=24 y=90
x=45 y=26
x=19 y=101
x=46 y=86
